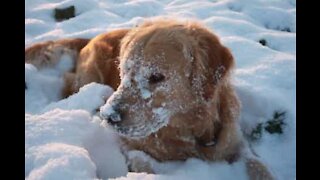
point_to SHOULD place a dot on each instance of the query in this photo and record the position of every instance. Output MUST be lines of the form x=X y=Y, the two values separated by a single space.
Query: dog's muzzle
x=111 y=114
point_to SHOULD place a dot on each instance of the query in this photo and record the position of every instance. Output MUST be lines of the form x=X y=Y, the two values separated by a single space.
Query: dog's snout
x=111 y=113
x=114 y=118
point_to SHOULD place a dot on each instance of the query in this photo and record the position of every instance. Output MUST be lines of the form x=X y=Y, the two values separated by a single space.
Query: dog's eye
x=156 y=77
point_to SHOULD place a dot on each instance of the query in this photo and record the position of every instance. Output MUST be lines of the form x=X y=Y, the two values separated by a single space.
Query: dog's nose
x=114 y=118
x=111 y=114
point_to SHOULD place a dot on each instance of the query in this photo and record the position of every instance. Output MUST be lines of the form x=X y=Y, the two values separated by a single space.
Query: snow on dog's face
x=164 y=76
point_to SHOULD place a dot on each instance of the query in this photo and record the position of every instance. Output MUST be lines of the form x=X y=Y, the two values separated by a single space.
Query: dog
x=173 y=97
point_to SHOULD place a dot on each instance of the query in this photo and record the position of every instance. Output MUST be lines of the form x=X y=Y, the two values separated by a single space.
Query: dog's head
x=169 y=72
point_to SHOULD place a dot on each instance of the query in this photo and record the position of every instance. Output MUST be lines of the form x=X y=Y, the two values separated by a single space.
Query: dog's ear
x=213 y=61
x=216 y=57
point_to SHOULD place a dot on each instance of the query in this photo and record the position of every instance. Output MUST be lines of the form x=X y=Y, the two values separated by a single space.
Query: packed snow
x=65 y=139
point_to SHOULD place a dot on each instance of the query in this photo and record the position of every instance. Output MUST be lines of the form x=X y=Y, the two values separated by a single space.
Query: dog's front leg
x=138 y=161
x=256 y=169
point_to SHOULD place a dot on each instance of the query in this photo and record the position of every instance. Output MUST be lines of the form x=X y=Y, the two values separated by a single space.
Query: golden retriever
x=174 y=100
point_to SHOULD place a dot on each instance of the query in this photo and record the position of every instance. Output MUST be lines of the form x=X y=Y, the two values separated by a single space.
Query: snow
x=66 y=140
x=61 y=161
x=98 y=93
x=162 y=114
x=70 y=144
x=193 y=169
x=43 y=87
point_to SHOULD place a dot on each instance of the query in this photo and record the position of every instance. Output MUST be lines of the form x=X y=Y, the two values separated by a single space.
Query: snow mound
x=98 y=94
x=60 y=161
x=69 y=144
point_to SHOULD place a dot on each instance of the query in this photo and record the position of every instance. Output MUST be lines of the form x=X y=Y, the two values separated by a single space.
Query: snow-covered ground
x=66 y=140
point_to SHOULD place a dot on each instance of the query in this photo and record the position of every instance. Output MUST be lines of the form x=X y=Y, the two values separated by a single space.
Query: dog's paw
x=138 y=161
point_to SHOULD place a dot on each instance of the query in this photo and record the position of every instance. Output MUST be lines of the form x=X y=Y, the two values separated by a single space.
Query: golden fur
x=210 y=106
x=47 y=54
x=96 y=60
x=174 y=100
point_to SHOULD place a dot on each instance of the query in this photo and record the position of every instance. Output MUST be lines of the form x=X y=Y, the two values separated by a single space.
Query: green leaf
x=275 y=125
x=256 y=132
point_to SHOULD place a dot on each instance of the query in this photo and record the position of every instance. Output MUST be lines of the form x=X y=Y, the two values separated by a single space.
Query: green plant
x=256 y=133
x=275 y=125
